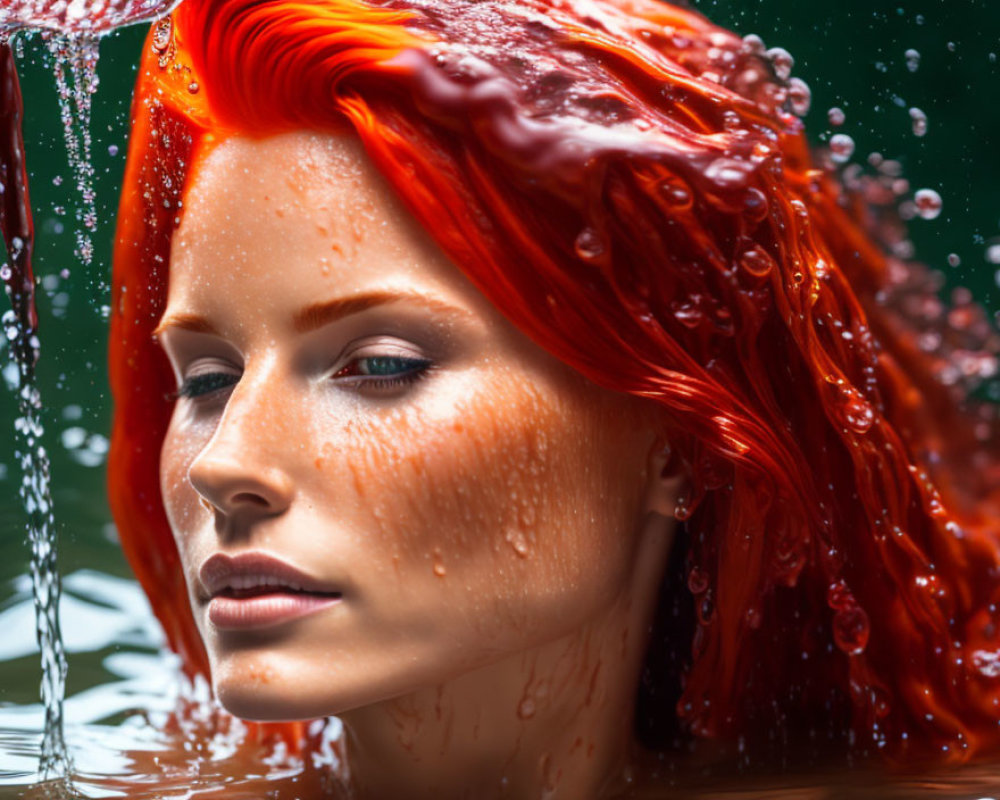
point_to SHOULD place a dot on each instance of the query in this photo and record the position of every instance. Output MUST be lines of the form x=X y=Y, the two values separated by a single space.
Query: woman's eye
x=385 y=371
x=206 y=383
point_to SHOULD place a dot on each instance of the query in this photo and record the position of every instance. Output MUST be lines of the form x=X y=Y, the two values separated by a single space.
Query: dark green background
x=849 y=51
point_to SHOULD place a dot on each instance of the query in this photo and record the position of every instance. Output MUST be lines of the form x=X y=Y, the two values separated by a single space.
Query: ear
x=663 y=483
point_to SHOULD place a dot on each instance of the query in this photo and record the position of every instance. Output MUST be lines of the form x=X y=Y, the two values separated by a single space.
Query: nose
x=239 y=471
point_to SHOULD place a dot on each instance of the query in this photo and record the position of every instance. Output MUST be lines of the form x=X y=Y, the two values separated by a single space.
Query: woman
x=481 y=368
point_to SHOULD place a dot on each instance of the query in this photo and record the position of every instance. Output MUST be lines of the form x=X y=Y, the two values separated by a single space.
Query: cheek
x=180 y=447
x=513 y=497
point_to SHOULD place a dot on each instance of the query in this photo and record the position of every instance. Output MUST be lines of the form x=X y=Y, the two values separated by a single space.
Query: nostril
x=249 y=498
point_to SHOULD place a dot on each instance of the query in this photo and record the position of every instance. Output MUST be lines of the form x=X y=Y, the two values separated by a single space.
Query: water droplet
x=589 y=244
x=688 y=315
x=112 y=149
x=526 y=708
x=193 y=87
x=518 y=542
x=928 y=203
x=676 y=194
x=954 y=260
x=919 y=120
x=859 y=414
x=799 y=97
x=697 y=580
x=728 y=173
x=912 y=60
x=754 y=44
x=757 y=262
x=851 y=630
x=841 y=148
x=836 y=116
x=992 y=254
x=782 y=62
x=5 y=272
x=162 y=35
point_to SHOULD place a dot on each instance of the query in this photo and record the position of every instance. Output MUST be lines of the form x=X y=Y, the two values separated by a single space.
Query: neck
x=552 y=722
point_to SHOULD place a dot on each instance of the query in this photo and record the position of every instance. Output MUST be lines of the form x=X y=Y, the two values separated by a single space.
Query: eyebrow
x=316 y=315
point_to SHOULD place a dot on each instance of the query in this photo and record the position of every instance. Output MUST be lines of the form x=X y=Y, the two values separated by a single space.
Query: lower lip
x=261 y=611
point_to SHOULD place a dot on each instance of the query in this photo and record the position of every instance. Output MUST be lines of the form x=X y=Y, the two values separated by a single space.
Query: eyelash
x=200 y=387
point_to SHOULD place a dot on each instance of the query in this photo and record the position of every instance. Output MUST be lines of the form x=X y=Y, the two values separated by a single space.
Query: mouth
x=257 y=590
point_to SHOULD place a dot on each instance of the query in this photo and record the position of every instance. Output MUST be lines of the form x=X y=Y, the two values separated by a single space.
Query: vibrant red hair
x=624 y=181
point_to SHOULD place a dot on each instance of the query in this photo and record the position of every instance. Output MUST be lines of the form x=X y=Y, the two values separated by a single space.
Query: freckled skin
x=483 y=523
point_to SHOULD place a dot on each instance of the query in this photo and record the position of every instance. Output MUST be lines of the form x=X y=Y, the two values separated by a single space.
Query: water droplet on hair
x=688 y=315
x=728 y=173
x=851 y=630
x=697 y=580
x=589 y=245
x=799 y=97
x=841 y=148
x=919 y=120
x=928 y=203
x=757 y=262
x=782 y=62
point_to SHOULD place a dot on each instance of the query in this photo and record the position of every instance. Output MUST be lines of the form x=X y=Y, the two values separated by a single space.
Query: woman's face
x=375 y=482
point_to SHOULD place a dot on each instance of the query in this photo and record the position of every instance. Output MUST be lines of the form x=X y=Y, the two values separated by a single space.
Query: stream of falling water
x=72 y=32
x=20 y=325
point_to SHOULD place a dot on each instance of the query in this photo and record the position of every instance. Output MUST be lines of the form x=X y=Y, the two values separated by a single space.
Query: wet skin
x=486 y=516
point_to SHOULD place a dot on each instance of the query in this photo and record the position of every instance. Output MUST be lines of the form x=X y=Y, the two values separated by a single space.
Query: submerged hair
x=628 y=185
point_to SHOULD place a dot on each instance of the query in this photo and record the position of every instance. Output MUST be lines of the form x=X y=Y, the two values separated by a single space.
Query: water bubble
x=919 y=120
x=928 y=203
x=782 y=62
x=841 y=148
x=954 y=260
x=992 y=254
x=836 y=116
x=112 y=149
x=912 y=60
x=5 y=272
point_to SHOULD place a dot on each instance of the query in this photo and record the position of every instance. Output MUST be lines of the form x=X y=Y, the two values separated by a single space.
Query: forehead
x=304 y=216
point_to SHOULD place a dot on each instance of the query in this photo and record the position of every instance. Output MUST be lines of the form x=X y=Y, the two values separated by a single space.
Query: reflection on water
x=135 y=729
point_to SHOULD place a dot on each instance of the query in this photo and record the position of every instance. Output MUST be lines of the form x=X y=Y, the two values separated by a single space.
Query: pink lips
x=256 y=590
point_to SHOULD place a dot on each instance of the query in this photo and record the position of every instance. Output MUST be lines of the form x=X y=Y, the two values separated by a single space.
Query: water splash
x=75 y=69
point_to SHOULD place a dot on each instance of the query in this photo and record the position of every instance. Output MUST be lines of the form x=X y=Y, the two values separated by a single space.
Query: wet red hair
x=626 y=183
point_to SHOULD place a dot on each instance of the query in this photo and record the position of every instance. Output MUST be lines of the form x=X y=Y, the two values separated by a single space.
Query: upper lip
x=255 y=570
